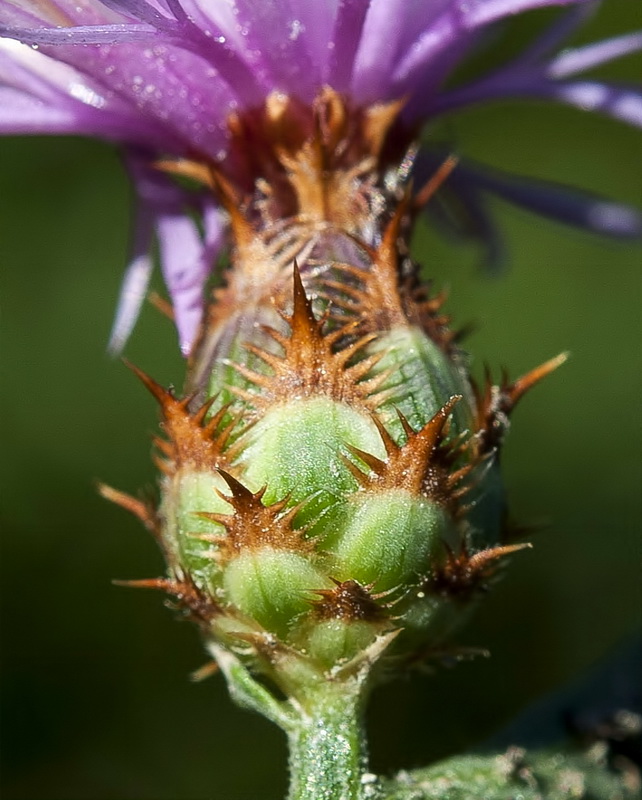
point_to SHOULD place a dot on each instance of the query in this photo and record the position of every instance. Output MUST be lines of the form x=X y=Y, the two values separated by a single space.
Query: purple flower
x=164 y=76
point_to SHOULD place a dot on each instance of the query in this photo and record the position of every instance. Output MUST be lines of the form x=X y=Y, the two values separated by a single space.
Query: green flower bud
x=421 y=379
x=387 y=538
x=336 y=641
x=337 y=487
x=272 y=587
x=296 y=449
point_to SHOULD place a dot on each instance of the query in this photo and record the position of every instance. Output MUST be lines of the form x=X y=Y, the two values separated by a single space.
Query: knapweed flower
x=330 y=504
x=176 y=78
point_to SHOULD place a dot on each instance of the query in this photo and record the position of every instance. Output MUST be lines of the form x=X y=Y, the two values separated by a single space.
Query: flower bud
x=331 y=493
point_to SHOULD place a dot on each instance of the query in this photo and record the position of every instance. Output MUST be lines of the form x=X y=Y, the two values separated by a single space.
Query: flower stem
x=328 y=759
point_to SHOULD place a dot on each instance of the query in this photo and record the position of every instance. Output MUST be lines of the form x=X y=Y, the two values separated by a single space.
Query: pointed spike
x=435 y=426
x=259 y=496
x=200 y=414
x=166 y=448
x=162 y=395
x=164 y=584
x=488 y=386
x=303 y=322
x=371 y=385
x=224 y=435
x=435 y=182
x=138 y=508
x=515 y=391
x=445 y=431
x=208 y=538
x=464 y=332
x=407 y=428
x=290 y=514
x=161 y=304
x=375 y=464
x=214 y=516
x=249 y=397
x=251 y=375
x=347 y=352
x=376 y=399
x=387 y=251
x=363 y=367
x=239 y=491
x=482 y=559
x=442 y=321
x=184 y=402
x=278 y=337
x=462 y=510
x=186 y=168
x=360 y=477
x=340 y=318
x=211 y=426
x=356 y=272
x=347 y=329
x=379 y=118
x=352 y=291
x=272 y=360
x=206 y=671
x=449 y=405
x=433 y=304
x=456 y=494
x=386 y=438
x=338 y=302
x=460 y=444
x=455 y=477
x=162 y=465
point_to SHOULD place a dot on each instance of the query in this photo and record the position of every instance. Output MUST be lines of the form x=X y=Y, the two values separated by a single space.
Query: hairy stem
x=328 y=758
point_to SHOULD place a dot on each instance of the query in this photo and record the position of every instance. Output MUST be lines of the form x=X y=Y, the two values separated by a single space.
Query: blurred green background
x=97 y=703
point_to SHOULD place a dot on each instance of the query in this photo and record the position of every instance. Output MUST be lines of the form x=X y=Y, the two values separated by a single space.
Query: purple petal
x=316 y=26
x=621 y=102
x=581 y=59
x=151 y=28
x=453 y=29
x=187 y=262
x=187 y=257
x=556 y=34
x=180 y=251
x=348 y=30
x=166 y=98
x=384 y=37
x=135 y=283
x=556 y=201
x=468 y=216
x=41 y=95
x=137 y=9
x=468 y=220
x=279 y=38
x=152 y=194
x=482 y=12
x=81 y=34
x=525 y=77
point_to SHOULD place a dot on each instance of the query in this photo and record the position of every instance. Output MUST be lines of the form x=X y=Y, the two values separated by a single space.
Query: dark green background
x=97 y=703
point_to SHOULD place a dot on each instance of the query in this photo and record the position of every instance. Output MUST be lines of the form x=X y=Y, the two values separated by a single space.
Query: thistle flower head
x=330 y=486
x=224 y=84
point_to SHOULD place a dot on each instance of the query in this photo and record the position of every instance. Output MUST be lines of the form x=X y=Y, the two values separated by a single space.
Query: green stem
x=323 y=721
x=328 y=759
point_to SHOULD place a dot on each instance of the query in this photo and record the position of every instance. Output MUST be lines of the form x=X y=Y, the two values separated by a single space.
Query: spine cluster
x=330 y=489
